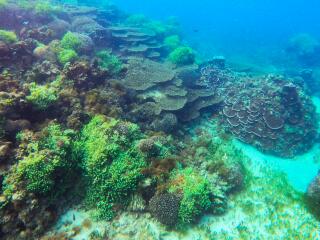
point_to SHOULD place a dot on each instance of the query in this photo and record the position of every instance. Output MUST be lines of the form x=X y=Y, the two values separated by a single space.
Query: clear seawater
x=246 y=32
x=243 y=30
x=249 y=34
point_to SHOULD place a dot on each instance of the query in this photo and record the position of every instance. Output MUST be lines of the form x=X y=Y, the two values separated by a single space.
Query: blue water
x=243 y=30
x=249 y=28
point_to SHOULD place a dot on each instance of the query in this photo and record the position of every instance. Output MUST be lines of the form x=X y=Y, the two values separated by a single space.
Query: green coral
x=182 y=56
x=67 y=55
x=109 y=62
x=172 y=42
x=70 y=41
x=110 y=161
x=43 y=96
x=45 y=164
x=8 y=36
x=195 y=193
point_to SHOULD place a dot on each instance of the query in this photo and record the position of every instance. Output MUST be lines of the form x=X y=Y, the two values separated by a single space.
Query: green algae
x=45 y=163
x=70 y=41
x=8 y=36
x=111 y=163
x=182 y=56
x=109 y=62
x=43 y=96
x=195 y=194
x=66 y=56
x=172 y=42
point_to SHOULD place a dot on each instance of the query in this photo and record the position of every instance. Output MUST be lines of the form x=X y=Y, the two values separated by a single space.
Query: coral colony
x=99 y=112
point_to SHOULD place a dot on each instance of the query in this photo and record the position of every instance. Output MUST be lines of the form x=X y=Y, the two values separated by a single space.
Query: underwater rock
x=304 y=49
x=165 y=208
x=42 y=72
x=87 y=26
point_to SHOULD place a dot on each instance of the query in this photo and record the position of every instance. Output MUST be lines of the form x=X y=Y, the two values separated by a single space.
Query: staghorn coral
x=172 y=42
x=43 y=161
x=67 y=56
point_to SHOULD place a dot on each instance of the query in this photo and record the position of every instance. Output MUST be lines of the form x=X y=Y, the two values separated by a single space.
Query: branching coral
x=111 y=162
x=67 y=49
x=160 y=28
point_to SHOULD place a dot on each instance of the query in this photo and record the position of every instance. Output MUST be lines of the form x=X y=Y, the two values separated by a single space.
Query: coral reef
x=111 y=163
x=8 y=37
x=165 y=208
x=96 y=115
x=32 y=185
x=182 y=56
x=195 y=193
x=109 y=62
x=278 y=118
